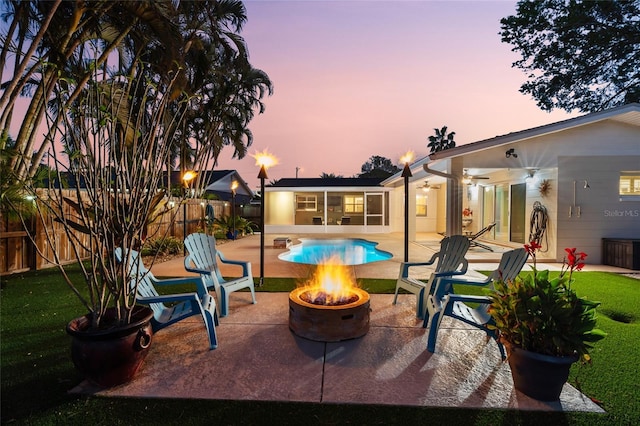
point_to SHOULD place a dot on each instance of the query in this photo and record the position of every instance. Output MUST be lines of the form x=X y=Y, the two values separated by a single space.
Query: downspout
x=454 y=200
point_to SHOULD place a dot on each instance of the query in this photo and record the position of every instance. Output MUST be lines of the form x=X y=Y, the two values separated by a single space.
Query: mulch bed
x=165 y=257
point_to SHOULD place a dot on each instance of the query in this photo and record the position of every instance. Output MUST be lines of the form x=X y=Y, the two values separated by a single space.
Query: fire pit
x=330 y=307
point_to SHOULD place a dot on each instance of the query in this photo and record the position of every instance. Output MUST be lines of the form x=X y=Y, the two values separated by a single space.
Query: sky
x=353 y=79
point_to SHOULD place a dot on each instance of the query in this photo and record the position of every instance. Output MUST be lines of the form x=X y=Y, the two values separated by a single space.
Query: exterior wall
x=278 y=208
x=428 y=223
x=396 y=209
x=598 y=212
x=550 y=202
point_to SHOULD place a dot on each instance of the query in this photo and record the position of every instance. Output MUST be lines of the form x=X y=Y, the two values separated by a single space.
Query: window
x=334 y=203
x=354 y=204
x=421 y=205
x=306 y=203
x=630 y=186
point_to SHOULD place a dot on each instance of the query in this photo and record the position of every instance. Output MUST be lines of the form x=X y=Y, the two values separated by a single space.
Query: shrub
x=168 y=245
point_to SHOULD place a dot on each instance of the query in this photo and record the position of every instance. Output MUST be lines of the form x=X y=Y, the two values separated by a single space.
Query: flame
x=407 y=158
x=331 y=283
x=188 y=176
x=264 y=159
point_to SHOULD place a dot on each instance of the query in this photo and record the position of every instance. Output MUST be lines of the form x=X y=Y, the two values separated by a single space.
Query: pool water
x=350 y=251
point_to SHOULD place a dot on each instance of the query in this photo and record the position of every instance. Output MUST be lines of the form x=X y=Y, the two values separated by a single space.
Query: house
x=222 y=183
x=574 y=183
x=323 y=205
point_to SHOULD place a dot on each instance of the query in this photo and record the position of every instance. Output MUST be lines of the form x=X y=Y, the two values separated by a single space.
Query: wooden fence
x=18 y=251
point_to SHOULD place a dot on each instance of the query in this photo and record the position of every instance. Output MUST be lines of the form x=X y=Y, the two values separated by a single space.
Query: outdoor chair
x=346 y=220
x=474 y=237
x=447 y=304
x=448 y=261
x=171 y=308
x=317 y=220
x=203 y=259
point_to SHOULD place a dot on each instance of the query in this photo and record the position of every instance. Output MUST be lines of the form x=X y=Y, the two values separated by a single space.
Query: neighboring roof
x=219 y=182
x=628 y=114
x=327 y=182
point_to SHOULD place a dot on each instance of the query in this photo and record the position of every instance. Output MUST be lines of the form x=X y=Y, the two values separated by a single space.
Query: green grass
x=36 y=370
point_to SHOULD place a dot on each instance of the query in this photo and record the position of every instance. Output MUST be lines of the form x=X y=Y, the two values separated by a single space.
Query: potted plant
x=544 y=325
x=119 y=92
x=101 y=192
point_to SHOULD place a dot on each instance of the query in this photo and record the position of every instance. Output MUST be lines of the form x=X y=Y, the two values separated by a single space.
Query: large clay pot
x=112 y=356
x=539 y=376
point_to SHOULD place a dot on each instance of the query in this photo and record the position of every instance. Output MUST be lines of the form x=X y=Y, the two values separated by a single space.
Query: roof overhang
x=325 y=188
x=628 y=114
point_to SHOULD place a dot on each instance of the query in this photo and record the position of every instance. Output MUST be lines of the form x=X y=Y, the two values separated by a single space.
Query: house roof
x=628 y=114
x=327 y=182
x=219 y=182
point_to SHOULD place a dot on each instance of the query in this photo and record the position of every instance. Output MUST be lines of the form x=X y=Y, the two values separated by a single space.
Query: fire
x=407 y=158
x=264 y=159
x=331 y=284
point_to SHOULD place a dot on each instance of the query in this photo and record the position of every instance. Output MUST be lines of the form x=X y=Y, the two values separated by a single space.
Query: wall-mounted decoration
x=545 y=187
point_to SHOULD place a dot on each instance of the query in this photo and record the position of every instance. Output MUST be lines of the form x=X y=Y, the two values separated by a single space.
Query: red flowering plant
x=543 y=314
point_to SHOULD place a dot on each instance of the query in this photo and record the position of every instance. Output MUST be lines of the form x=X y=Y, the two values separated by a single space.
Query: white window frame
x=309 y=201
x=351 y=204
x=629 y=186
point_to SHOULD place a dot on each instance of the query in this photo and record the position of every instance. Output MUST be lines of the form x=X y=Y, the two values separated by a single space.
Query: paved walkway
x=259 y=358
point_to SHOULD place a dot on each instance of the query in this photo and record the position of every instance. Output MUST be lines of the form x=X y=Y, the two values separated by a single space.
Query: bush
x=168 y=245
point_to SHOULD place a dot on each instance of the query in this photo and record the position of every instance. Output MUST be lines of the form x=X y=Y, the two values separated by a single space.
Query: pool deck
x=248 y=249
x=259 y=358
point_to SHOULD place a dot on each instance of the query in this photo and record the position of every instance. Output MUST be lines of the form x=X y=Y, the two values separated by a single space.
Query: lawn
x=36 y=370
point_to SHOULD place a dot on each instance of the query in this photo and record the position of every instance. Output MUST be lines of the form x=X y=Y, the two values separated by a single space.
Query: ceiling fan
x=426 y=187
x=468 y=179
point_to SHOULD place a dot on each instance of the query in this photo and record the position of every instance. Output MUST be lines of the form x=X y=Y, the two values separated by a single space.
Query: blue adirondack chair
x=448 y=304
x=448 y=261
x=183 y=305
x=202 y=259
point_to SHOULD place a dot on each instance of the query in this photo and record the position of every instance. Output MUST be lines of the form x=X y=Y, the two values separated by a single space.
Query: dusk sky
x=353 y=79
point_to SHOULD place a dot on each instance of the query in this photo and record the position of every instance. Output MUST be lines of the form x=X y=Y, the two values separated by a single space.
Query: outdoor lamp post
x=406 y=174
x=186 y=179
x=234 y=186
x=264 y=160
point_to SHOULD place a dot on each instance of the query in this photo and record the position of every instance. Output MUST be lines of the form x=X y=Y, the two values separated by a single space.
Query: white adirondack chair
x=448 y=261
x=203 y=259
x=182 y=305
x=445 y=303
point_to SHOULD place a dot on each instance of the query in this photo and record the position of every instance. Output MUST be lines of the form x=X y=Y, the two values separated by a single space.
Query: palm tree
x=324 y=175
x=229 y=90
x=73 y=38
x=442 y=140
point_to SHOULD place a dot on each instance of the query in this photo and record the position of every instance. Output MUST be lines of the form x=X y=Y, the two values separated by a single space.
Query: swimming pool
x=350 y=251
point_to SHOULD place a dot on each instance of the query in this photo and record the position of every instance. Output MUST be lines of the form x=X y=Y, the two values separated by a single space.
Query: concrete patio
x=259 y=358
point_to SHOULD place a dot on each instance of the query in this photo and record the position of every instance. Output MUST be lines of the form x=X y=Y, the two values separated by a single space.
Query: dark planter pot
x=111 y=356
x=539 y=376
